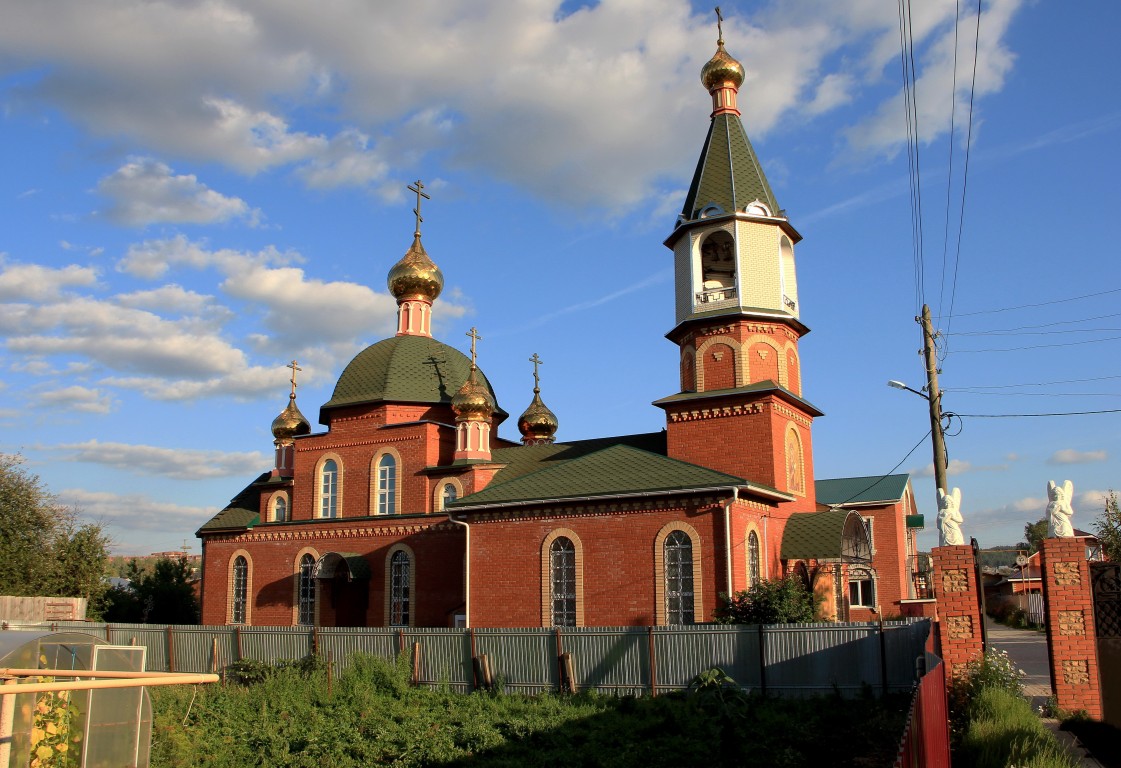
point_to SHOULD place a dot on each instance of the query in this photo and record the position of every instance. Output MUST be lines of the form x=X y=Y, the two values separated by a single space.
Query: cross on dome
x=295 y=367
x=719 y=27
x=536 y=377
x=474 y=334
x=417 y=187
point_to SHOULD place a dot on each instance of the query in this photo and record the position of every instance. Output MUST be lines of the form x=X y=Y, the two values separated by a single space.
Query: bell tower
x=740 y=409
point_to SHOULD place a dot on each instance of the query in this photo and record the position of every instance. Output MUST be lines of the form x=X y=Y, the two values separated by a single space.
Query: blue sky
x=195 y=193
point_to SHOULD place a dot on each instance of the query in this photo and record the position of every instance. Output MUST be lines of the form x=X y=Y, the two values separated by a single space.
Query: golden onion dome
x=473 y=399
x=538 y=424
x=415 y=276
x=721 y=68
x=290 y=422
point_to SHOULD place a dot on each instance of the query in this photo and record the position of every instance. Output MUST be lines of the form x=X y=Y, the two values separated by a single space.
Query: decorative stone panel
x=959 y=626
x=1067 y=575
x=1076 y=672
x=955 y=580
x=1071 y=623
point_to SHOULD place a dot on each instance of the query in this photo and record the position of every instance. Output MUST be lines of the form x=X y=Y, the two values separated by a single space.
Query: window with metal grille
x=241 y=590
x=280 y=509
x=399 y=573
x=307 y=590
x=562 y=567
x=387 y=485
x=329 y=489
x=678 y=553
x=449 y=495
x=752 y=559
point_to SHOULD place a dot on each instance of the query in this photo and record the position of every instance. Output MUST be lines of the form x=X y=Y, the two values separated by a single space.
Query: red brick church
x=409 y=510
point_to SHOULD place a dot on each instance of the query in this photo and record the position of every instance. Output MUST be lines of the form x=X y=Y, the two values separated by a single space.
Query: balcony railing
x=713 y=295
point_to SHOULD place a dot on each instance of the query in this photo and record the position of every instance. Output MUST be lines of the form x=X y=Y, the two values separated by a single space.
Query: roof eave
x=759 y=490
x=684 y=226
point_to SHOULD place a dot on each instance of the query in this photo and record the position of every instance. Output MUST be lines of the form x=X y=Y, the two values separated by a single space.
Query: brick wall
x=1071 y=640
x=959 y=614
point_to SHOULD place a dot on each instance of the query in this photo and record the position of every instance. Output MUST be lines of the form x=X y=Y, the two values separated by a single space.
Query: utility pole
x=934 y=398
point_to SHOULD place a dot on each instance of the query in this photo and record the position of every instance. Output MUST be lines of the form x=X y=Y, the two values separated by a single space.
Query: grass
x=371 y=716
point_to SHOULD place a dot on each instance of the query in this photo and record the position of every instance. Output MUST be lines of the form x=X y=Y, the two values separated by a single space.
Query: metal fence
x=784 y=659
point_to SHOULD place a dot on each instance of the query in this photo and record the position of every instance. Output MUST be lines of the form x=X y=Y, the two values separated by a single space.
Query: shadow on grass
x=1102 y=739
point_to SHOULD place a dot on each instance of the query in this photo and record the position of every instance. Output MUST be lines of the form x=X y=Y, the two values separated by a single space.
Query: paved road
x=1028 y=650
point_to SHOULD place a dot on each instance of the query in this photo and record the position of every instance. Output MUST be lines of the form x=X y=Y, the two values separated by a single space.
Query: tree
x=1035 y=533
x=1107 y=526
x=163 y=595
x=771 y=601
x=43 y=549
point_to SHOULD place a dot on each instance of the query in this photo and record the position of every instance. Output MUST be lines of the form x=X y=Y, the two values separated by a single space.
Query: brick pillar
x=1071 y=642
x=959 y=612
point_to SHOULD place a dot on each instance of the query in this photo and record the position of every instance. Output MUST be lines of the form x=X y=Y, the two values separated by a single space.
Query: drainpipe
x=466 y=571
x=767 y=551
x=728 y=536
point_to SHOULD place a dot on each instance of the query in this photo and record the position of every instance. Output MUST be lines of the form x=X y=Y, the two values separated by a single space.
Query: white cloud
x=125 y=512
x=34 y=282
x=958 y=467
x=180 y=463
x=1071 y=456
x=77 y=398
x=171 y=298
x=144 y=191
x=484 y=83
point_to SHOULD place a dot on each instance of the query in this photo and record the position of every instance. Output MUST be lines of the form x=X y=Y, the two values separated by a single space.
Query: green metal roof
x=242 y=511
x=327 y=566
x=728 y=172
x=861 y=490
x=836 y=534
x=617 y=470
x=404 y=369
x=759 y=387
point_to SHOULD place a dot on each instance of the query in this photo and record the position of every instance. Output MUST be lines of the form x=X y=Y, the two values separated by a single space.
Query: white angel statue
x=1059 y=510
x=949 y=518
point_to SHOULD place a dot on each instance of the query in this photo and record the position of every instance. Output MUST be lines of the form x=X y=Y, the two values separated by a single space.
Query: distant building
x=408 y=510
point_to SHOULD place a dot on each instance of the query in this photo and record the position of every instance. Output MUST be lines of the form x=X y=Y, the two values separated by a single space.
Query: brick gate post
x=1071 y=641
x=959 y=611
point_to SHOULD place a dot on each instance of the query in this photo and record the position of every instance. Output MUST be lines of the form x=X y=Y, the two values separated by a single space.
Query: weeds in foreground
x=371 y=715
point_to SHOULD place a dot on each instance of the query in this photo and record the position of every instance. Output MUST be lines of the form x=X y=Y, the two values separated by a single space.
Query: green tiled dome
x=404 y=369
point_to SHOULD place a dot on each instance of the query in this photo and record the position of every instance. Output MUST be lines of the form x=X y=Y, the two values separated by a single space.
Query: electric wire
x=1037 y=333
x=965 y=172
x=906 y=59
x=1031 y=384
x=1039 y=346
x=950 y=163
x=887 y=474
x=1040 y=325
x=1039 y=304
x=1033 y=415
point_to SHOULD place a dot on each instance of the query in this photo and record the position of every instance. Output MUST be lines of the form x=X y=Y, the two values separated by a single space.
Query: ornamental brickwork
x=1072 y=645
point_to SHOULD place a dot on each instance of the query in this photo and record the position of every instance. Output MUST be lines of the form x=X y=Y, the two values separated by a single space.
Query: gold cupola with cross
x=737 y=310
x=286 y=427
x=415 y=281
x=537 y=424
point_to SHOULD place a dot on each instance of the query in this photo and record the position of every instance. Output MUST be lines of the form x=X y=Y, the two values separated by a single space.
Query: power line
x=1040 y=346
x=1035 y=333
x=1069 y=413
x=1040 y=304
x=1032 y=384
x=950 y=164
x=1048 y=325
x=889 y=472
x=907 y=63
x=1039 y=394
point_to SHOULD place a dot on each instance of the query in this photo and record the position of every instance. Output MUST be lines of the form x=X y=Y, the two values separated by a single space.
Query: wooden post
x=416 y=663
x=214 y=654
x=400 y=641
x=883 y=655
x=330 y=664
x=170 y=650
x=569 y=673
x=653 y=662
x=474 y=662
x=762 y=660
x=560 y=659
x=237 y=636
x=108 y=636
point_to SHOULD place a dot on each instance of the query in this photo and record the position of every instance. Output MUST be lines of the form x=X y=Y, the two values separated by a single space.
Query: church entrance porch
x=344 y=589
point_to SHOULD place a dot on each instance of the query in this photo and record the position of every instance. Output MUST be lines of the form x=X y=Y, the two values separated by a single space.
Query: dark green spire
x=728 y=173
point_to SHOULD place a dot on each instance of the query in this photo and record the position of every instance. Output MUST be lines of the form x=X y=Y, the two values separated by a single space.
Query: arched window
x=279 y=509
x=862 y=588
x=448 y=495
x=400 y=574
x=678 y=551
x=387 y=485
x=752 y=559
x=329 y=489
x=718 y=268
x=795 y=472
x=306 y=594
x=562 y=571
x=240 y=591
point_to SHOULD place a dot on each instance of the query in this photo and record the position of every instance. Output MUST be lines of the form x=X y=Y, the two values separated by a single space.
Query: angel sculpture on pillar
x=949 y=518
x=1059 y=511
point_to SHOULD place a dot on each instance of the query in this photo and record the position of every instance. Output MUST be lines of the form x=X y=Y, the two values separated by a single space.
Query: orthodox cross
x=294 y=368
x=474 y=334
x=536 y=378
x=417 y=187
x=719 y=26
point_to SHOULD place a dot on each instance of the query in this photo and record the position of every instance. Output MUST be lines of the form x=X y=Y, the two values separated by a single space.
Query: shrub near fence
x=785 y=659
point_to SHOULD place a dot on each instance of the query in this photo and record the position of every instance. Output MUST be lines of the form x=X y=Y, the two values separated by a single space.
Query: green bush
x=771 y=601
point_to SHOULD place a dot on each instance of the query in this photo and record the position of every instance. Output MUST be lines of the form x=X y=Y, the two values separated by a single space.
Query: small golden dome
x=290 y=422
x=415 y=276
x=473 y=400
x=538 y=424
x=721 y=68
